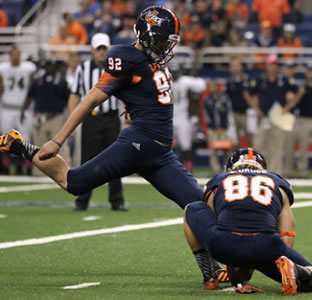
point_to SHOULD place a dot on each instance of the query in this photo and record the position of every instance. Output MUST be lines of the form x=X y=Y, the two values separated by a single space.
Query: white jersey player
x=15 y=80
x=181 y=120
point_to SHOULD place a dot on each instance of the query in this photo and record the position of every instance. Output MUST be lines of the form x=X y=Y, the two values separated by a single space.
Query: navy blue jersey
x=144 y=87
x=269 y=92
x=235 y=89
x=248 y=200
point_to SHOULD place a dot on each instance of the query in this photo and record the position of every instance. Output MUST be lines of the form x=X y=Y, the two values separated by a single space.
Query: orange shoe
x=247 y=289
x=211 y=284
x=7 y=140
x=288 y=272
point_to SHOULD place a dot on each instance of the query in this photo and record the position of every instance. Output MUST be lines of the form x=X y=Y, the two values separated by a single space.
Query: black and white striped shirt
x=86 y=77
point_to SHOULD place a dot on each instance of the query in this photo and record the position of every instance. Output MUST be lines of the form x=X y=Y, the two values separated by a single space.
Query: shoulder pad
x=212 y=183
x=285 y=185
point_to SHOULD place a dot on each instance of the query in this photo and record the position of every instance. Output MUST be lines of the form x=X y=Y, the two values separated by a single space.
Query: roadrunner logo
x=152 y=19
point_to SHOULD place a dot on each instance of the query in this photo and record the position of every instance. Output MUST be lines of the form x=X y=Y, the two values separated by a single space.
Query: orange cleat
x=247 y=289
x=288 y=272
x=7 y=140
x=211 y=285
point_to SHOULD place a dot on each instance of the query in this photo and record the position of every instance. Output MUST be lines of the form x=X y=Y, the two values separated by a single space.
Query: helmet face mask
x=157 y=29
x=246 y=158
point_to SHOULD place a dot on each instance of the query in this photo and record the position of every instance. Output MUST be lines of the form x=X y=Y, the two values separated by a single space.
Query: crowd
x=241 y=109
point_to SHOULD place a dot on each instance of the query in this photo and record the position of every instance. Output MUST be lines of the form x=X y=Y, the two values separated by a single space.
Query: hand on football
x=48 y=150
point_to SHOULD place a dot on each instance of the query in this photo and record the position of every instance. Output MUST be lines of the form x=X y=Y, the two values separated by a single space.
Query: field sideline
x=141 y=254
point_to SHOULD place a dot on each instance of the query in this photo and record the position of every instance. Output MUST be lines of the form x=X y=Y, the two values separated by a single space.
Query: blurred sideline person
x=269 y=90
x=136 y=74
x=101 y=127
x=218 y=109
x=237 y=88
x=49 y=93
x=303 y=125
x=15 y=79
x=182 y=86
x=246 y=222
x=289 y=71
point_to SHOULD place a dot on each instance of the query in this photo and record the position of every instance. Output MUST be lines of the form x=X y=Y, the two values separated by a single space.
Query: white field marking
x=81 y=285
x=124 y=228
x=28 y=188
x=228 y=289
x=127 y=180
x=3 y=216
x=302 y=204
x=81 y=234
x=91 y=218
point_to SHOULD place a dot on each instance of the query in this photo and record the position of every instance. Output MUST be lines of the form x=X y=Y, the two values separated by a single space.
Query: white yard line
x=28 y=188
x=74 y=235
x=127 y=180
x=124 y=228
x=81 y=285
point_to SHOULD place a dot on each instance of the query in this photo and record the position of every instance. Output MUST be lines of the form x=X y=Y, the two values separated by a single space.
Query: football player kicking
x=137 y=75
x=246 y=223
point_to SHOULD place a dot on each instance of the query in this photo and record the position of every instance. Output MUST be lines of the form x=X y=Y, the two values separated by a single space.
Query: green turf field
x=153 y=263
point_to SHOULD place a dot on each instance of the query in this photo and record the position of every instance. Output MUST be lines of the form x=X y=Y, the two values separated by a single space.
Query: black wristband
x=57 y=143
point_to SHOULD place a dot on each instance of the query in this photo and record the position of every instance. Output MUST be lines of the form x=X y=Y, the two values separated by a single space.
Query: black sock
x=24 y=149
x=205 y=263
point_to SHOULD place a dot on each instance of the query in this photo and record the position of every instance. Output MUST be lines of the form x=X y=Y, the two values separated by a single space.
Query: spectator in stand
x=237 y=12
x=209 y=11
x=86 y=15
x=75 y=29
x=235 y=39
x=272 y=10
x=194 y=34
x=289 y=40
x=237 y=88
x=4 y=20
x=61 y=38
x=295 y=16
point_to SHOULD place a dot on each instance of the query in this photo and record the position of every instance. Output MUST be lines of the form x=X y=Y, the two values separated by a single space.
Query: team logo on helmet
x=152 y=19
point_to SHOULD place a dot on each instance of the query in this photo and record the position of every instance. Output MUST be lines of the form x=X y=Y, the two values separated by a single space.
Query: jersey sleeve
x=118 y=71
x=211 y=185
x=285 y=185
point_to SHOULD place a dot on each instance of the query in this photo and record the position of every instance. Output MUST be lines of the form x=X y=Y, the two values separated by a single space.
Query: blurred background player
x=49 y=93
x=303 y=127
x=270 y=90
x=291 y=85
x=218 y=109
x=185 y=88
x=246 y=222
x=15 y=79
x=102 y=125
x=237 y=88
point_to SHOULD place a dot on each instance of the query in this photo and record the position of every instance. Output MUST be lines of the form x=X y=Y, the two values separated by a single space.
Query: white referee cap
x=100 y=39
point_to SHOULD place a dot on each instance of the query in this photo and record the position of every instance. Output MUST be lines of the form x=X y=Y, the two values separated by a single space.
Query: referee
x=101 y=127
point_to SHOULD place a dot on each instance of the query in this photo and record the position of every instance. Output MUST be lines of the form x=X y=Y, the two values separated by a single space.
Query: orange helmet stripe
x=250 y=153
x=176 y=21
